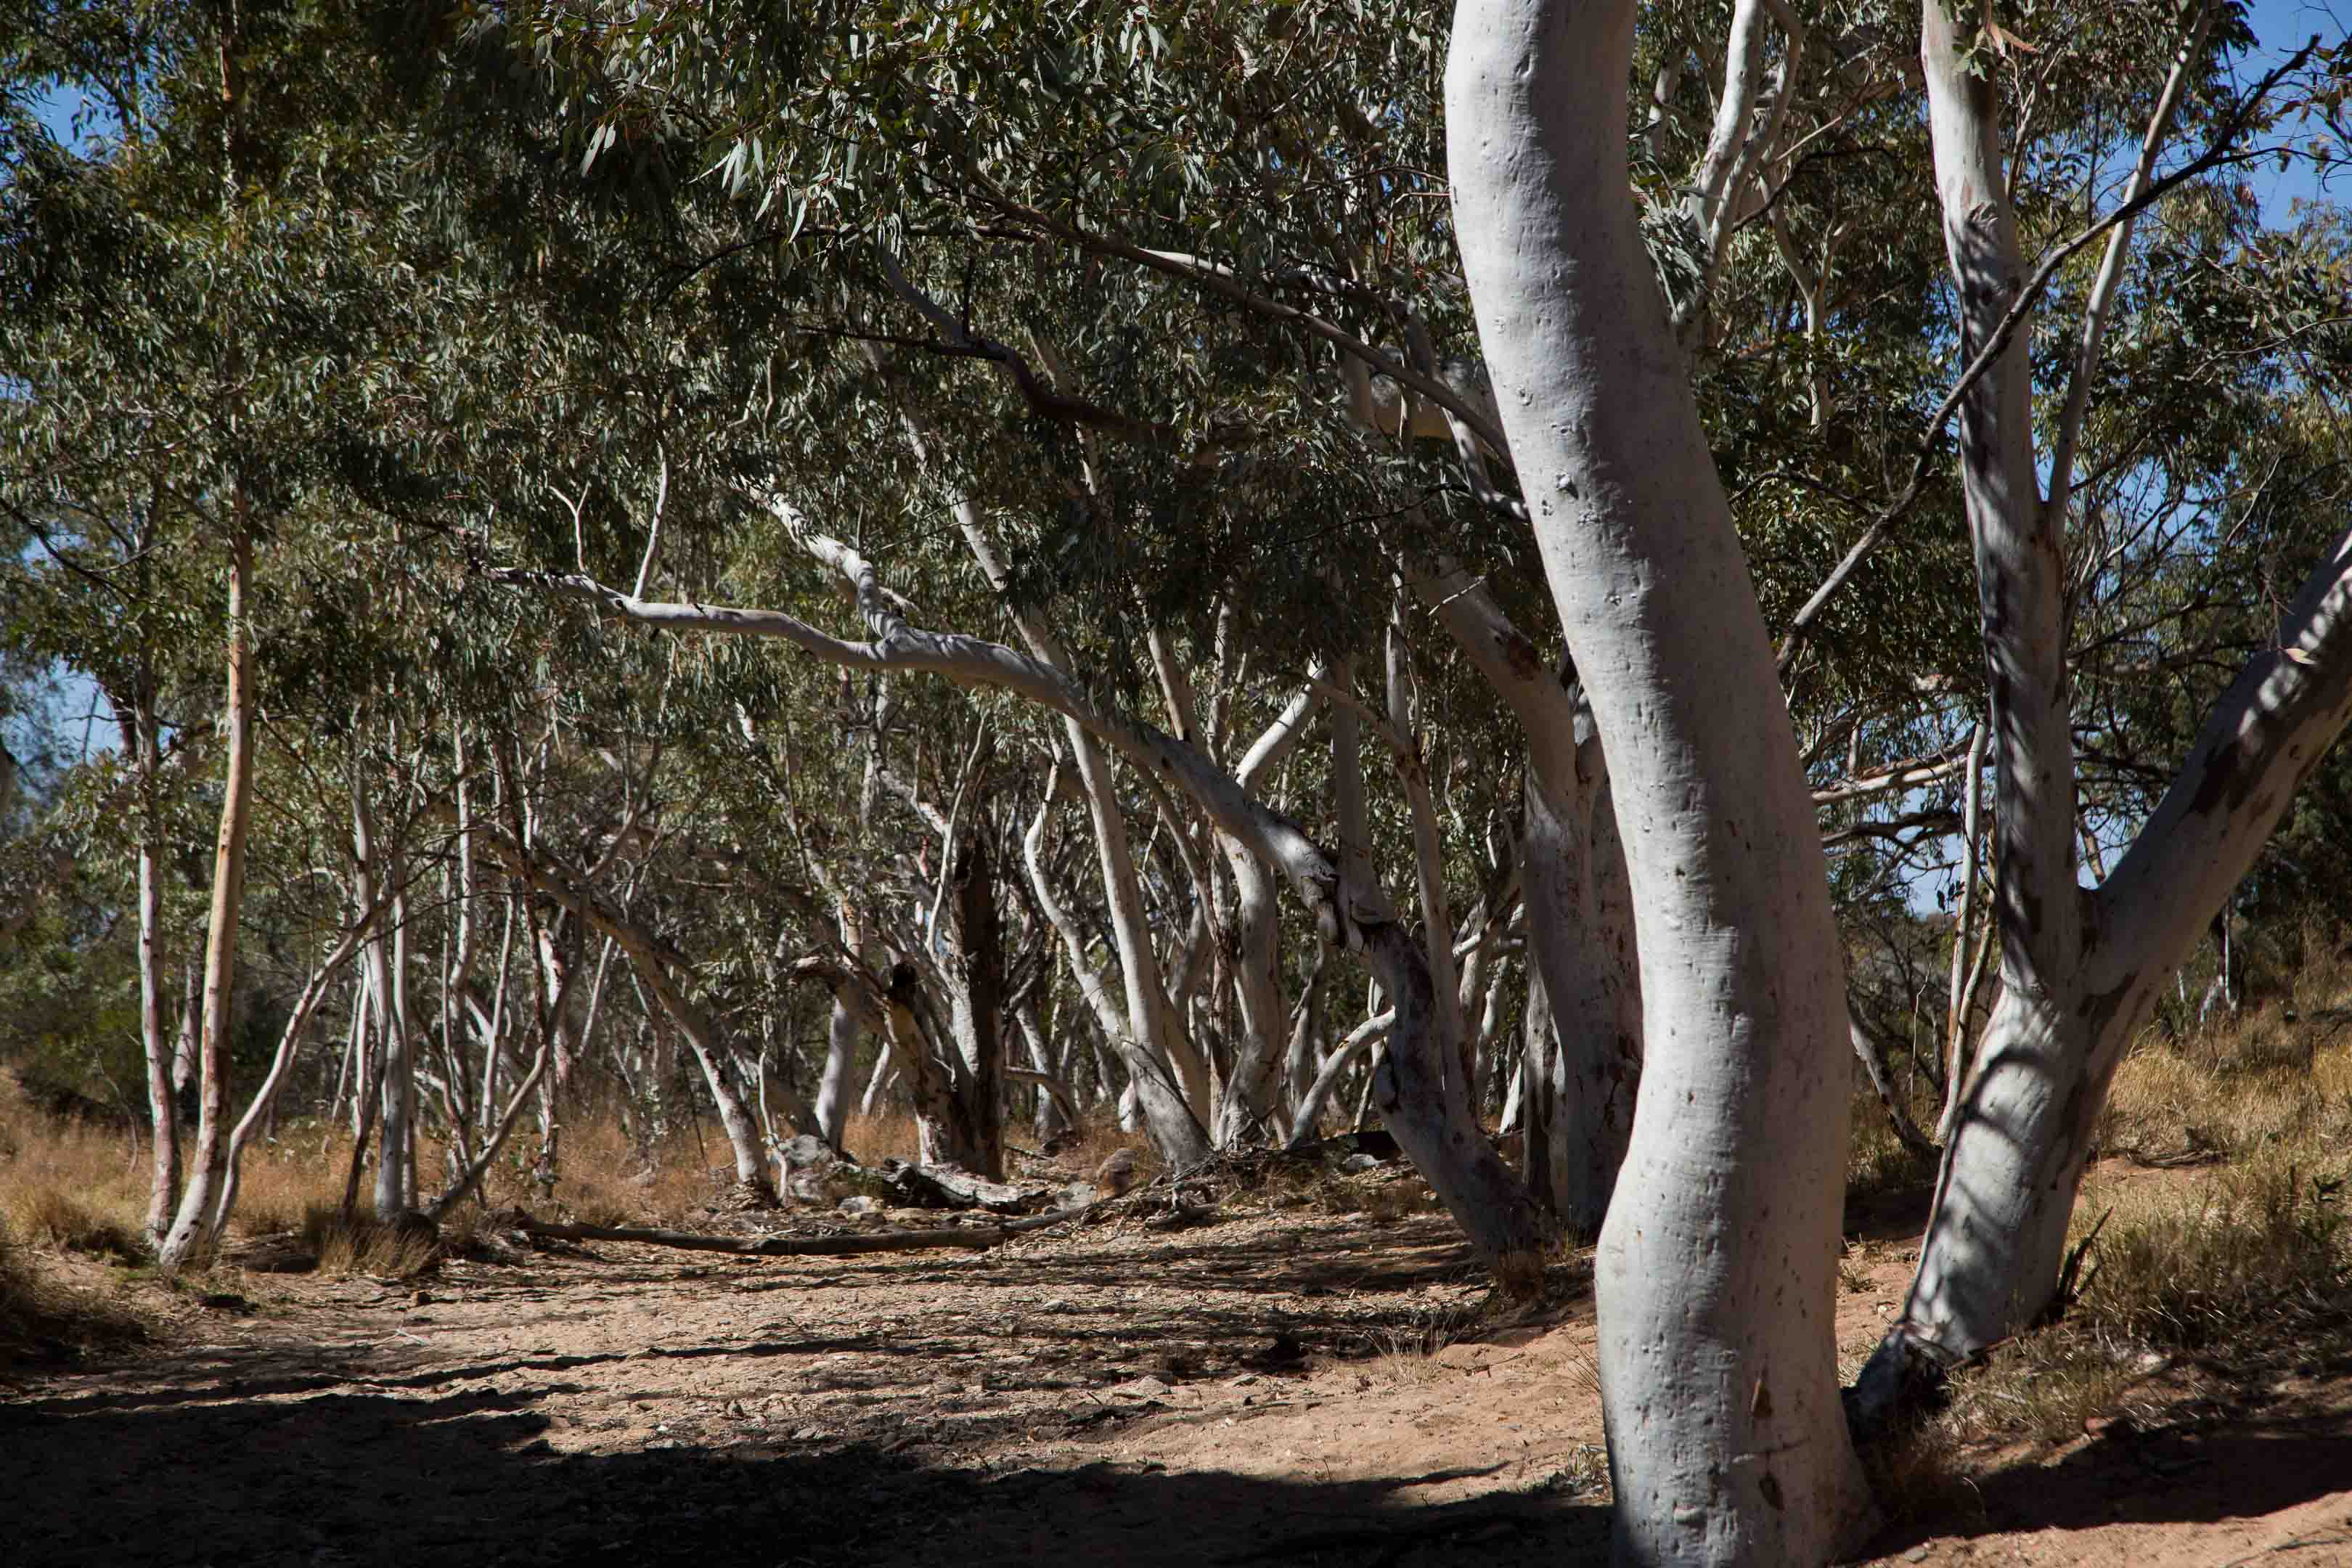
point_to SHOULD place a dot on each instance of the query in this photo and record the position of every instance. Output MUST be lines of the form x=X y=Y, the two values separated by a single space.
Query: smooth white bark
x=1716 y=1275
x=1452 y=1151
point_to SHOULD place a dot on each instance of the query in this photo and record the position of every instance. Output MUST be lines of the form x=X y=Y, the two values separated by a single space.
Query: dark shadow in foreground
x=337 y=1480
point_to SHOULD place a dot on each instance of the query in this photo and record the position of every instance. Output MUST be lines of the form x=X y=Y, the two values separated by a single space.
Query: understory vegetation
x=760 y=622
x=2216 y=1256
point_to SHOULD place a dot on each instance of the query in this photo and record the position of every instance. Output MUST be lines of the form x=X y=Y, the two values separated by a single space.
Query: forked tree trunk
x=1430 y=1117
x=2078 y=972
x=1150 y=1075
x=1150 y=1040
x=1716 y=1272
x=647 y=956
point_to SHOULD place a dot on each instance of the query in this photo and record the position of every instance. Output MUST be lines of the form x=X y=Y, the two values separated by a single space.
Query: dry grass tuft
x=870 y=1140
x=45 y=1217
x=2246 y=1250
x=2222 y=1234
x=1877 y=1161
x=361 y=1244
x=43 y=1318
x=70 y=1183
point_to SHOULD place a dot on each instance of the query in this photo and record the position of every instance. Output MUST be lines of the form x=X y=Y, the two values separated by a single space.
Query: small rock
x=1117 y=1175
x=1355 y=1162
x=1917 y=1554
x=858 y=1206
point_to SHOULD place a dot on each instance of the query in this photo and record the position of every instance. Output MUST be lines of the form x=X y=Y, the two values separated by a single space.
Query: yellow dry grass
x=2213 y=1231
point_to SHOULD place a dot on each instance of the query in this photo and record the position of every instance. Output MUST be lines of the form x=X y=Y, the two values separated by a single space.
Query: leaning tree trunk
x=651 y=959
x=1572 y=878
x=1717 y=1272
x=2077 y=974
x=1150 y=1043
x=208 y=1167
x=1428 y=1115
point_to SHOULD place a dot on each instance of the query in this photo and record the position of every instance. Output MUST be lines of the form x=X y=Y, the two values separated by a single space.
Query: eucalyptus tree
x=2079 y=968
x=1728 y=1442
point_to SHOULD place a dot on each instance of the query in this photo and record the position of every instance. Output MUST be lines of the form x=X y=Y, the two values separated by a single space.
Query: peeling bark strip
x=1449 y=1148
x=1716 y=1275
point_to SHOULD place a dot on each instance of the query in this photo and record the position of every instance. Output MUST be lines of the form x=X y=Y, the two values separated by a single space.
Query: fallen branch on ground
x=972 y=1238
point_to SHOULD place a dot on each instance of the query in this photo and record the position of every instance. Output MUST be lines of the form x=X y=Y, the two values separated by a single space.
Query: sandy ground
x=1256 y=1390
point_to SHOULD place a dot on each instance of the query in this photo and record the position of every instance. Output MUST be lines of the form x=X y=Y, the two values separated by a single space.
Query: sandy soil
x=1257 y=1390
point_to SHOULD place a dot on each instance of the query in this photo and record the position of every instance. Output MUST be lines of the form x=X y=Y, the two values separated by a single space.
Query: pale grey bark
x=833 y=1083
x=1748 y=118
x=1246 y=1108
x=1582 y=1066
x=1435 y=1128
x=207 y=1168
x=1057 y=1110
x=1968 y=968
x=1996 y=1240
x=1428 y=848
x=136 y=717
x=1716 y=1272
x=1579 y=937
x=1176 y=1133
x=2078 y=971
x=290 y=1043
x=370 y=861
x=2185 y=57
x=652 y=960
x=1870 y=1051
x=1303 y=1128
x=1160 y=1096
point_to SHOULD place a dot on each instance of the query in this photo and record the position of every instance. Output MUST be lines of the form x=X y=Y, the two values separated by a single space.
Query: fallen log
x=972 y=1238
x=945 y=1187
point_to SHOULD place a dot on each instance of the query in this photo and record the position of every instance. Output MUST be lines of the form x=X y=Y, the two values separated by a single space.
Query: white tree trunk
x=1429 y=1117
x=1176 y=1130
x=1579 y=930
x=207 y=1169
x=1717 y=1272
x=1160 y=1095
x=371 y=883
x=1583 y=1067
x=1996 y=1239
x=2078 y=970
x=140 y=735
x=833 y=1084
x=647 y=956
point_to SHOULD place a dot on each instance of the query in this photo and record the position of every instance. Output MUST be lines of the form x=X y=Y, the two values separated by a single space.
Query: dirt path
x=1259 y=1390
